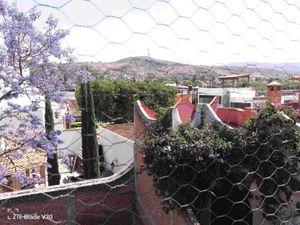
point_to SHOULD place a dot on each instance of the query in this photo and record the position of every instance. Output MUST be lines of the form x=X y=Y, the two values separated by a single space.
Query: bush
x=78 y=124
x=192 y=167
x=75 y=125
x=114 y=99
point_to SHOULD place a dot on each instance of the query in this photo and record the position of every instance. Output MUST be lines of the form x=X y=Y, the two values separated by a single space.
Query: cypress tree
x=90 y=152
x=83 y=105
x=53 y=172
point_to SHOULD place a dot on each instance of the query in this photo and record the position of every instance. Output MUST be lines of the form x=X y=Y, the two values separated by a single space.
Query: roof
x=125 y=129
x=183 y=87
x=242 y=95
x=211 y=91
x=31 y=159
x=222 y=91
x=234 y=76
x=274 y=83
x=73 y=108
x=185 y=110
x=296 y=78
x=148 y=113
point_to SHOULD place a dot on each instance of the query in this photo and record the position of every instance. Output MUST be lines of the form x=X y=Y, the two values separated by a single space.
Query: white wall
x=176 y=121
x=116 y=148
x=72 y=141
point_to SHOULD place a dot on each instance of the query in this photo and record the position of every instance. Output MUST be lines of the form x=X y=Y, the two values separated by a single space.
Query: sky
x=202 y=32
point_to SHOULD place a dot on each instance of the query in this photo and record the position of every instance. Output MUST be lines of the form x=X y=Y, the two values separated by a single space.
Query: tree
x=90 y=152
x=274 y=141
x=114 y=99
x=53 y=170
x=32 y=64
x=212 y=170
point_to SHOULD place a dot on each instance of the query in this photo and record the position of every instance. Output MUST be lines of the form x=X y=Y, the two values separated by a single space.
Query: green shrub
x=78 y=124
x=114 y=100
x=75 y=125
x=191 y=166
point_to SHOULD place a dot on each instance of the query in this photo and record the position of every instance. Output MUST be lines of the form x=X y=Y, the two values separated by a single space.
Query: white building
x=229 y=97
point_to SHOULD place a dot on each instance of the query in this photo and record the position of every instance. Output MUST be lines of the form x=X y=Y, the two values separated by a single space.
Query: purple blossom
x=25 y=181
x=69 y=118
x=65 y=158
x=21 y=177
x=37 y=75
x=35 y=122
x=199 y=158
x=48 y=165
x=3 y=174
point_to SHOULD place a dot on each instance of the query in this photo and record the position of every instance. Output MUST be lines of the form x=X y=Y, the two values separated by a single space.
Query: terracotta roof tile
x=125 y=129
x=149 y=112
x=31 y=159
x=185 y=110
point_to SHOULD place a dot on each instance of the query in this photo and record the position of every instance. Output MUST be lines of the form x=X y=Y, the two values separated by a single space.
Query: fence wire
x=203 y=40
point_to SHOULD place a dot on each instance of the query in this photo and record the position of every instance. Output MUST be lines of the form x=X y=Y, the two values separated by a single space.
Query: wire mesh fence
x=216 y=154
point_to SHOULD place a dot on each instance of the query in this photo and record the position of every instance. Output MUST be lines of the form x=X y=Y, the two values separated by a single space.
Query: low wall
x=99 y=201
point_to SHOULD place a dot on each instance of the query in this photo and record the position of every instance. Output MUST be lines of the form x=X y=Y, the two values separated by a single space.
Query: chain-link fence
x=226 y=59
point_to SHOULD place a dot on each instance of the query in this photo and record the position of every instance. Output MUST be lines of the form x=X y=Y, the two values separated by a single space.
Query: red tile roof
x=125 y=129
x=148 y=112
x=31 y=159
x=185 y=110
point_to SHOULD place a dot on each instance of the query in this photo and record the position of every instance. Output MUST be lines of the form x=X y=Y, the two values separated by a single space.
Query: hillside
x=147 y=68
x=289 y=68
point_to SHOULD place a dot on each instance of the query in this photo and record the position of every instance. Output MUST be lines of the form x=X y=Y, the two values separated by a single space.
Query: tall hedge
x=114 y=99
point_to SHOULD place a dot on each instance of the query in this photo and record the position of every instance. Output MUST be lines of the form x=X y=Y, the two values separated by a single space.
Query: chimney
x=274 y=93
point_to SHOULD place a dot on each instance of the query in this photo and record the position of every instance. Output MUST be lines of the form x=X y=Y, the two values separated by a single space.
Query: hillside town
x=149 y=113
x=121 y=144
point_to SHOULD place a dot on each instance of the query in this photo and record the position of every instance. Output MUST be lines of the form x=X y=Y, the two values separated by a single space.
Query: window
x=205 y=98
x=240 y=105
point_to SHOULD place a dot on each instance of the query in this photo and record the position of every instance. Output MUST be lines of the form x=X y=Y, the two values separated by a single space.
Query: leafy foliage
x=201 y=168
x=114 y=99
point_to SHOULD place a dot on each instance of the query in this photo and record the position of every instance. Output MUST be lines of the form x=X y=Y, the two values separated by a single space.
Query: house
x=229 y=97
x=233 y=113
x=117 y=142
x=32 y=163
x=213 y=111
x=115 y=147
x=16 y=160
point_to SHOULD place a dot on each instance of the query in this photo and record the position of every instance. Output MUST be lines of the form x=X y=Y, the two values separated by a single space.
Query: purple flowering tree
x=32 y=65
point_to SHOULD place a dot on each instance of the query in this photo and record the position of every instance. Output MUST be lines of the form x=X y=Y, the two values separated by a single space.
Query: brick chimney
x=274 y=93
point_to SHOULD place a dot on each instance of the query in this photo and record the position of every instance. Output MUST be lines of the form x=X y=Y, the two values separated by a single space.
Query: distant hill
x=147 y=68
x=288 y=68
